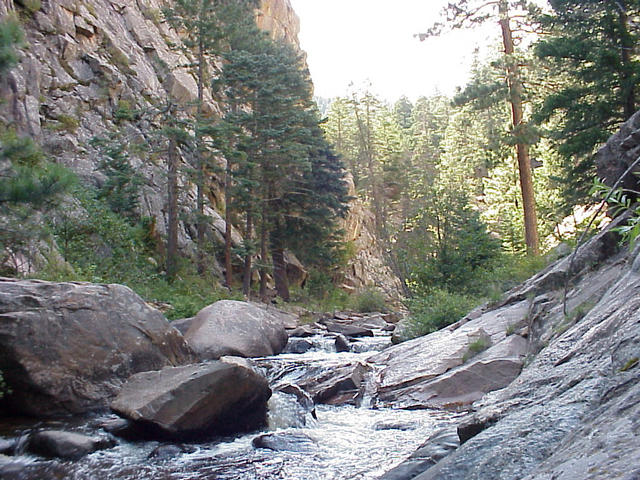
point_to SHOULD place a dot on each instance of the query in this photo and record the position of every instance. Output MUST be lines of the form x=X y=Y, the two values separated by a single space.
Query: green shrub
x=369 y=300
x=476 y=347
x=437 y=310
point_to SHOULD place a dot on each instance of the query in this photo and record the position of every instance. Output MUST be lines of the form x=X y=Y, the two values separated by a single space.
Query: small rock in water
x=393 y=426
x=169 y=451
x=342 y=344
x=66 y=445
x=298 y=345
x=285 y=441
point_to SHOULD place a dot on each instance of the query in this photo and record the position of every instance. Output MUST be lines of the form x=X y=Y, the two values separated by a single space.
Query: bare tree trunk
x=246 y=276
x=227 y=227
x=263 y=253
x=627 y=45
x=172 y=209
x=200 y=223
x=522 y=149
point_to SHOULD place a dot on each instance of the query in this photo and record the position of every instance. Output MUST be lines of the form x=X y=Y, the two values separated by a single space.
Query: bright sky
x=372 y=40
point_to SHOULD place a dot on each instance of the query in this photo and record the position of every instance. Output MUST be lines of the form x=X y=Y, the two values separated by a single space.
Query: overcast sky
x=372 y=40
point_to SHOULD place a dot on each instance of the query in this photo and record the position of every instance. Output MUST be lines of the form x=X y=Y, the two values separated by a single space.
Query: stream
x=342 y=442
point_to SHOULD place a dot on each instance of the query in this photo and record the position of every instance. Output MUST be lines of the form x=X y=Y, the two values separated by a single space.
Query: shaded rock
x=342 y=344
x=348 y=330
x=285 y=441
x=296 y=273
x=66 y=445
x=298 y=345
x=438 y=446
x=195 y=400
x=303 y=398
x=167 y=451
x=303 y=331
x=229 y=327
x=183 y=324
x=340 y=385
x=68 y=347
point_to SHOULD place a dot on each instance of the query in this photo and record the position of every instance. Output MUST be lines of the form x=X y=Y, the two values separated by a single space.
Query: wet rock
x=167 y=451
x=285 y=441
x=393 y=426
x=438 y=446
x=66 y=445
x=195 y=400
x=303 y=331
x=68 y=347
x=242 y=329
x=303 y=398
x=348 y=330
x=298 y=345
x=342 y=344
x=337 y=386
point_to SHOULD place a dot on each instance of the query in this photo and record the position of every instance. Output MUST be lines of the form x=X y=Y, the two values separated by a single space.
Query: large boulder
x=69 y=347
x=230 y=327
x=195 y=400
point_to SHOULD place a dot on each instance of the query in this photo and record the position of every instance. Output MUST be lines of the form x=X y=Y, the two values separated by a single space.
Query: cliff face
x=366 y=267
x=88 y=62
x=279 y=18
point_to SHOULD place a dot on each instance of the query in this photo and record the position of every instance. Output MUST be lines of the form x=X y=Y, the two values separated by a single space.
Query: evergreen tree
x=592 y=54
x=466 y=13
x=206 y=27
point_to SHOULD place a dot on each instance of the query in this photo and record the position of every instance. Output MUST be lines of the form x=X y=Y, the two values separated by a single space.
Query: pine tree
x=592 y=55
x=206 y=27
x=465 y=13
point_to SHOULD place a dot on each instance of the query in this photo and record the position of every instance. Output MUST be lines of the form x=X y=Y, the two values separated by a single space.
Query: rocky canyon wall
x=89 y=65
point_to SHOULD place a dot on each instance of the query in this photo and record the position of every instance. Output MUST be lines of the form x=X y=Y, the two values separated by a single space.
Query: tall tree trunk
x=227 y=226
x=200 y=221
x=246 y=276
x=627 y=88
x=522 y=149
x=263 y=252
x=172 y=209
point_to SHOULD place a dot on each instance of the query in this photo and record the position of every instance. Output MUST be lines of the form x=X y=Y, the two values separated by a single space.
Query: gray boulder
x=66 y=445
x=69 y=347
x=229 y=327
x=195 y=400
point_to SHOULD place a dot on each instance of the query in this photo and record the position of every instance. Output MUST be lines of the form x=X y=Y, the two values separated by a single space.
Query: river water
x=343 y=442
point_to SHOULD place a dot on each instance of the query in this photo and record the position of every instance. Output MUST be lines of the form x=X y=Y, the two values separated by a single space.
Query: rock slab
x=194 y=401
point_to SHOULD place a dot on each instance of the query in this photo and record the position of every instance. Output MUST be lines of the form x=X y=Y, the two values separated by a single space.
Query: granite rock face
x=573 y=411
x=69 y=347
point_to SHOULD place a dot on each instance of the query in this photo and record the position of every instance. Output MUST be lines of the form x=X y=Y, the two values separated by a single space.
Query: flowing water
x=343 y=442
